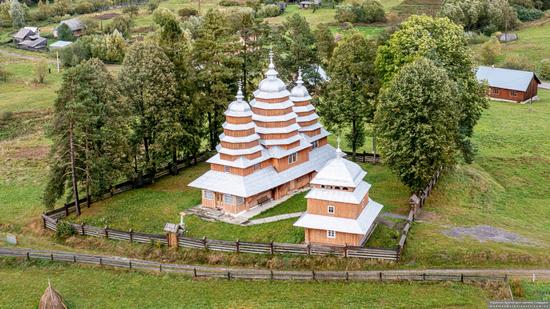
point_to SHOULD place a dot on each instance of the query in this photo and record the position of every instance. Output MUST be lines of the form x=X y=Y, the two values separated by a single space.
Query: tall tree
x=295 y=48
x=325 y=43
x=214 y=54
x=417 y=121
x=87 y=134
x=349 y=96
x=443 y=42
x=17 y=14
x=148 y=82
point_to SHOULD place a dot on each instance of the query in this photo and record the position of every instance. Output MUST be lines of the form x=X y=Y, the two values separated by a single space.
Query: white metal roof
x=303 y=108
x=238 y=152
x=505 y=78
x=279 y=152
x=299 y=93
x=275 y=130
x=307 y=117
x=340 y=172
x=361 y=225
x=240 y=162
x=271 y=87
x=239 y=139
x=285 y=117
x=283 y=141
x=351 y=197
x=312 y=127
x=311 y=139
x=60 y=44
x=271 y=106
x=238 y=127
x=264 y=179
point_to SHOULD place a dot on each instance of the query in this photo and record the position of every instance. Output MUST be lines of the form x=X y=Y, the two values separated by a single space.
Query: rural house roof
x=23 y=33
x=74 y=24
x=34 y=43
x=506 y=78
x=340 y=172
x=60 y=44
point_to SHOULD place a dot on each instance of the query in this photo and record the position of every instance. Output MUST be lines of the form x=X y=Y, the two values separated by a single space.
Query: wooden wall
x=314 y=236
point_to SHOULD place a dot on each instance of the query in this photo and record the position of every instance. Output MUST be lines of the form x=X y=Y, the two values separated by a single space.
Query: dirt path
x=10 y=53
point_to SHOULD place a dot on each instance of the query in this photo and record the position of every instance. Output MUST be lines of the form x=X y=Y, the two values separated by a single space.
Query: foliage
x=228 y=3
x=131 y=10
x=90 y=24
x=17 y=14
x=43 y=12
x=269 y=10
x=65 y=33
x=325 y=43
x=544 y=69
x=4 y=74
x=84 y=7
x=64 y=230
x=366 y=11
x=40 y=71
x=186 y=12
x=476 y=38
x=349 y=97
x=490 y=50
x=62 y=8
x=152 y=5
x=417 y=121
x=528 y=14
x=518 y=62
x=148 y=83
x=75 y=53
x=487 y=16
x=443 y=42
x=122 y=24
x=295 y=48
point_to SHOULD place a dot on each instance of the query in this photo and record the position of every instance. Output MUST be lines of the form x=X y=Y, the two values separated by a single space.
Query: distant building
x=339 y=209
x=509 y=85
x=507 y=37
x=76 y=26
x=29 y=38
x=60 y=45
x=269 y=148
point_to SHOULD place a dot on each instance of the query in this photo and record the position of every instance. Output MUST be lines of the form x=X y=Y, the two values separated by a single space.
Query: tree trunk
x=88 y=178
x=353 y=139
x=374 y=145
x=73 y=169
x=210 y=131
x=146 y=146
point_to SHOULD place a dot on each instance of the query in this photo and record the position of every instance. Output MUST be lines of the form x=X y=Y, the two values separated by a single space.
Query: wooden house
x=29 y=38
x=74 y=24
x=268 y=148
x=509 y=85
x=339 y=209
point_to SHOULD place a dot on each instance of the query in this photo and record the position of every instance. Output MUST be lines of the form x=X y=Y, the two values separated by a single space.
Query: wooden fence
x=51 y=220
x=247 y=273
x=416 y=202
x=364 y=157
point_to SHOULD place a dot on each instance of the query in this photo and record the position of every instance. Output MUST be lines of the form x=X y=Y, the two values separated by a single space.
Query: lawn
x=507 y=187
x=22 y=286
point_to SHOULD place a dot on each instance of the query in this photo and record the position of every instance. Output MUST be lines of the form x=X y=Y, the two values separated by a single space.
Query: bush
x=269 y=10
x=153 y=5
x=120 y=23
x=43 y=12
x=4 y=75
x=76 y=52
x=40 y=71
x=186 y=12
x=131 y=10
x=229 y=3
x=544 y=70
x=476 y=38
x=64 y=33
x=84 y=8
x=528 y=14
x=518 y=62
x=490 y=50
x=64 y=230
x=368 y=11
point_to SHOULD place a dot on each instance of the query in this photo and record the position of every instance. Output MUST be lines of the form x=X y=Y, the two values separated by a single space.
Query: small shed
x=509 y=85
x=60 y=45
x=507 y=37
x=34 y=43
x=76 y=26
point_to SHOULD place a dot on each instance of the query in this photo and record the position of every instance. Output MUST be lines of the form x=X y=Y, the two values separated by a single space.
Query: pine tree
x=148 y=83
x=417 y=122
x=348 y=99
x=214 y=53
x=325 y=43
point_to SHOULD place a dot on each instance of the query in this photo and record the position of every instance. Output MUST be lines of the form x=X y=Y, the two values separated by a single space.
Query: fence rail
x=364 y=157
x=244 y=273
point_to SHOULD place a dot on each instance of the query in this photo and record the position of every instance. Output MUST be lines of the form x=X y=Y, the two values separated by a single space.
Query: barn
x=509 y=85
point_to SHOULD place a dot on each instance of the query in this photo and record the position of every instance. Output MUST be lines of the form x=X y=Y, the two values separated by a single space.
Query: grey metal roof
x=22 y=33
x=73 y=24
x=34 y=43
x=506 y=78
x=60 y=44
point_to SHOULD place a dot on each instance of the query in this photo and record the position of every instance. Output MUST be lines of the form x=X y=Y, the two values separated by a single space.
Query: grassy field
x=507 y=187
x=22 y=285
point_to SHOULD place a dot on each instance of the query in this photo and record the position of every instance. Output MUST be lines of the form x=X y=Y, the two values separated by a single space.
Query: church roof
x=340 y=172
x=361 y=225
x=299 y=92
x=351 y=197
x=272 y=86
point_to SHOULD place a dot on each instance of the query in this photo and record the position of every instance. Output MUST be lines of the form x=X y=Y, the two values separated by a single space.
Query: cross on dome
x=239 y=95
x=299 y=81
x=271 y=72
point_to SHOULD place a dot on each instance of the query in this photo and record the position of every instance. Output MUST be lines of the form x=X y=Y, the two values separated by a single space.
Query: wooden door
x=219 y=200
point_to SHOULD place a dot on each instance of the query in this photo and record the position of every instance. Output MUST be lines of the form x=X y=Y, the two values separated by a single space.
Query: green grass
x=536 y=291
x=367 y=31
x=23 y=284
x=296 y=203
x=507 y=187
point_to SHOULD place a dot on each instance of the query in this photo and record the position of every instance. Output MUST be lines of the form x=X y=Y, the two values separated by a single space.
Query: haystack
x=51 y=299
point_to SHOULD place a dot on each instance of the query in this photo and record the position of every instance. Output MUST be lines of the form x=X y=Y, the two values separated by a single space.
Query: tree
x=17 y=14
x=443 y=42
x=65 y=33
x=417 y=121
x=213 y=52
x=367 y=11
x=325 y=43
x=87 y=134
x=490 y=50
x=148 y=83
x=487 y=16
x=295 y=49
x=349 y=98
x=40 y=71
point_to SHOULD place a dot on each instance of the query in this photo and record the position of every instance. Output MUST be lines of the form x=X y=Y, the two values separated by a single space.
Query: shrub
x=490 y=50
x=40 y=71
x=186 y=12
x=91 y=25
x=4 y=75
x=153 y=5
x=269 y=10
x=76 y=52
x=120 y=23
x=61 y=8
x=368 y=11
x=84 y=8
x=64 y=33
x=528 y=14
x=518 y=62
x=131 y=10
x=43 y=12
x=229 y=3
x=476 y=38
x=64 y=230
x=544 y=69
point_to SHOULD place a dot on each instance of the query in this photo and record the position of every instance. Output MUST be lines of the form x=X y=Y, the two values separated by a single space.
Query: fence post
x=228 y=275
x=131 y=235
x=74 y=258
x=106 y=232
x=347 y=276
x=44 y=220
x=308 y=249
x=195 y=272
x=82 y=229
x=271 y=247
x=51 y=256
x=130 y=264
x=346 y=250
x=66 y=210
x=238 y=245
x=424 y=276
x=160 y=267
x=100 y=261
x=462 y=278
x=271 y=274
x=380 y=274
x=204 y=243
x=28 y=256
x=313 y=274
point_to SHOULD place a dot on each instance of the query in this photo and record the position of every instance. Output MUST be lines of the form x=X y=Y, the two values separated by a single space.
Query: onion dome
x=340 y=172
x=239 y=107
x=271 y=87
x=299 y=92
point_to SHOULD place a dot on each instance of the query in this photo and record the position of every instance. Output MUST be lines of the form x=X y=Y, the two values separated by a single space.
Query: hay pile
x=51 y=299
